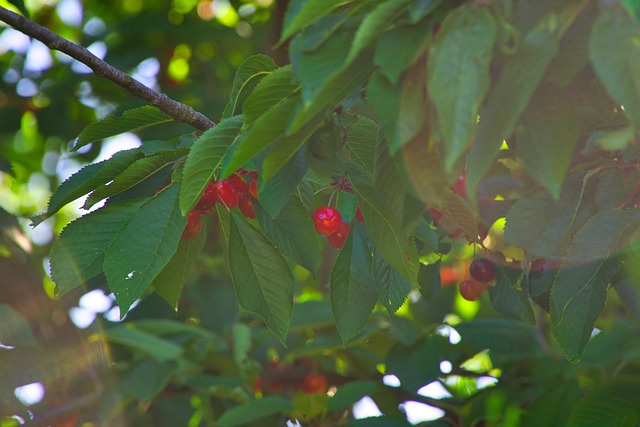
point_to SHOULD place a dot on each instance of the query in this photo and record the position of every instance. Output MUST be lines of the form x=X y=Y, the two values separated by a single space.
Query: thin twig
x=180 y=112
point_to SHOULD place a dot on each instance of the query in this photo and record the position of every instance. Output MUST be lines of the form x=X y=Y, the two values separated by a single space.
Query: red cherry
x=66 y=418
x=257 y=385
x=337 y=239
x=226 y=194
x=253 y=186
x=436 y=215
x=245 y=204
x=314 y=383
x=460 y=185
x=238 y=183
x=275 y=386
x=471 y=290
x=359 y=216
x=208 y=200
x=483 y=270
x=194 y=225
x=326 y=220
x=454 y=234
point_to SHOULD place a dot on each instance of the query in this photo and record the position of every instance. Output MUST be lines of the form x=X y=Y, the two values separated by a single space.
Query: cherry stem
x=331 y=198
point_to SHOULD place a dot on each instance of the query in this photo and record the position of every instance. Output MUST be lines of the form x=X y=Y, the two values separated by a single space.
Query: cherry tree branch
x=178 y=111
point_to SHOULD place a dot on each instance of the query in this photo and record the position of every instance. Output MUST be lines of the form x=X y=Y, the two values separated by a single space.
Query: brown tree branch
x=180 y=112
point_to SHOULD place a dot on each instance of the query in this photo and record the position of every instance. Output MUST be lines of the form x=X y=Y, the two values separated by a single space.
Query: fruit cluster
x=299 y=377
x=231 y=192
x=328 y=222
x=482 y=271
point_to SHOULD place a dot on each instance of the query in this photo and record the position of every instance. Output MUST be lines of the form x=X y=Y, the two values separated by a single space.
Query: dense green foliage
x=458 y=130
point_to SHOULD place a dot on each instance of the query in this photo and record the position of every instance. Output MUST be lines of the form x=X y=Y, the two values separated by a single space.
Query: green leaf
x=147 y=379
x=299 y=15
x=14 y=328
x=241 y=343
x=130 y=121
x=384 y=99
x=266 y=116
x=172 y=328
x=204 y=158
x=137 y=172
x=276 y=192
x=600 y=235
x=254 y=410
x=352 y=288
x=292 y=233
x=312 y=314
x=413 y=110
x=508 y=297
x=272 y=90
x=612 y=140
x=312 y=66
x=350 y=393
x=392 y=288
x=78 y=253
x=344 y=81
x=248 y=75
x=287 y=147
x=400 y=108
x=171 y=280
x=459 y=214
x=540 y=225
x=380 y=421
x=427 y=235
x=423 y=169
x=264 y=131
x=87 y=179
x=615 y=54
x=573 y=53
x=613 y=404
x=361 y=142
x=130 y=336
x=375 y=23
x=554 y=406
x=548 y=137
x=419 y=364
x=610 y=189
x=429 y=279
x=509 y=98
x=500 y=336
x=391 y=61
x=406 y=208
x=421 y=8
x=261 y=277
x=579 y=291
x=386 y=180
x=459 y=75
x=399 y=252
x=21 y=7
x=143 y=247
x=224 y=219
x=159 y=146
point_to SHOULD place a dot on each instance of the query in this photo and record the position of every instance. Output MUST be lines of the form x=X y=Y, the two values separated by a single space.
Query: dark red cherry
x=483 y=270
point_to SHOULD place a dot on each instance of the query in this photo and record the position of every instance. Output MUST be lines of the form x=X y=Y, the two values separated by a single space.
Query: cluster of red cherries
x=238 y=190
x=328 y=222
x=482 y=271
